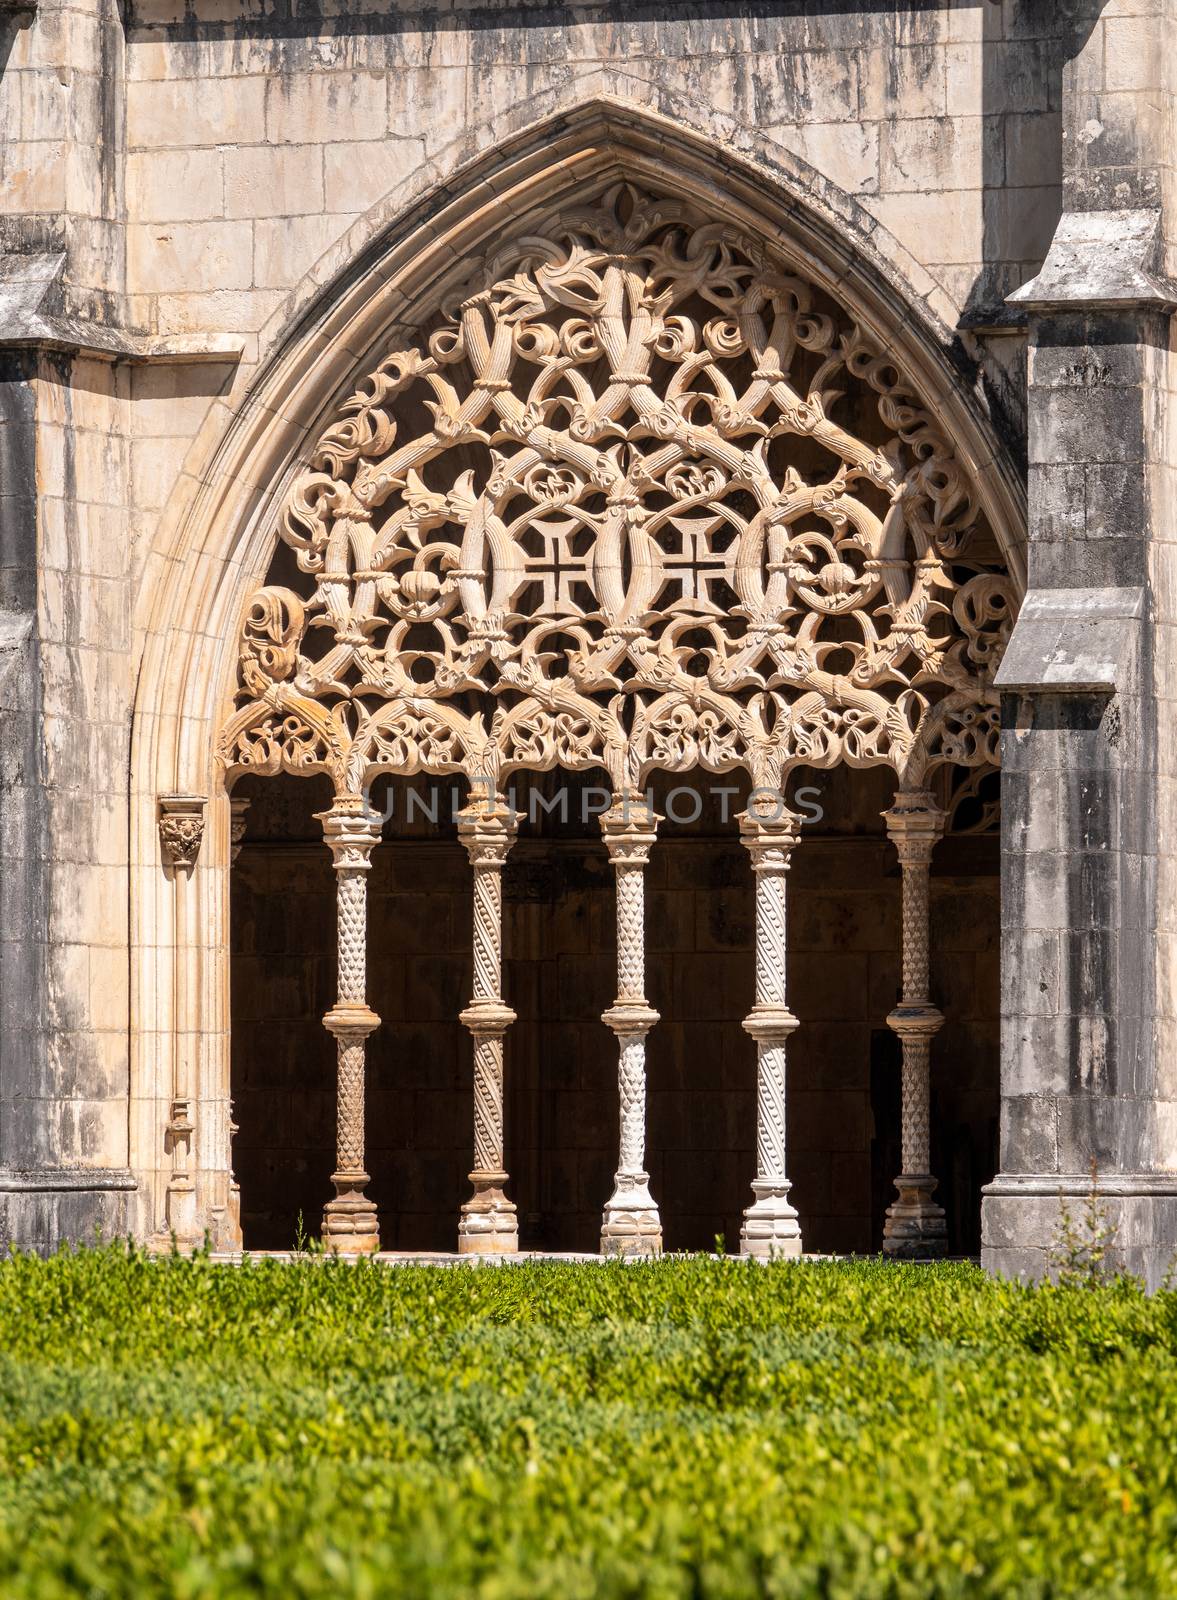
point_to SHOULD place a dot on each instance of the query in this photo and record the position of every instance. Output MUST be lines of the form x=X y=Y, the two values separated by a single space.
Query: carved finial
x=181 y=828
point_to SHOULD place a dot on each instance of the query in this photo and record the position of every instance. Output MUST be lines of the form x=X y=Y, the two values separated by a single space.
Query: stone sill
x=65 y=1180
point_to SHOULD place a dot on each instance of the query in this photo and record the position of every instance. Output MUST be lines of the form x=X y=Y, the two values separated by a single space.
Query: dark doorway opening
x=559 y=975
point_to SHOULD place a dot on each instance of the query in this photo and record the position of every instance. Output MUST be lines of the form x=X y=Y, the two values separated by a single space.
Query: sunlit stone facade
x=768 y=404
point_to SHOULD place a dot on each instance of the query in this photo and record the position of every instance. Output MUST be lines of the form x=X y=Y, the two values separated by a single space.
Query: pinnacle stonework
x=777 y=401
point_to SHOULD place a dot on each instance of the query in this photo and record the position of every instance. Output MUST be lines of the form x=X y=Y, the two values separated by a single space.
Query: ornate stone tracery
x=644 y=499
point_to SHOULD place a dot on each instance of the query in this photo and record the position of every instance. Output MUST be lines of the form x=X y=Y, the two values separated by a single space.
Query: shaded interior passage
x=559 y=975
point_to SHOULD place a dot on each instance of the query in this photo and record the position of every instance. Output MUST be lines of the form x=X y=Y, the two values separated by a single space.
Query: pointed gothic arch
x=691 y=216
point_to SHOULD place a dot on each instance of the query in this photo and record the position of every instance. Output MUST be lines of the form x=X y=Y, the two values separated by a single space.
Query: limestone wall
x=181 y=183
x=253 y=145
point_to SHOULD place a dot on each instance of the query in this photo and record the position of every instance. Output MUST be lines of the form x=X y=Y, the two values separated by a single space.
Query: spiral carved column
x=631 y=1224
x=915 y=1224
x=488 y=1221
x=349 y=1220
x=771 y=1226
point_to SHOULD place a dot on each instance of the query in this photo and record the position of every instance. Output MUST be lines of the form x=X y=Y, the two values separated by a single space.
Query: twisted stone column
x=349 y=1220
x=631 y=1224
x=771 y=1227
x=488 y=1221
x=915 y=1224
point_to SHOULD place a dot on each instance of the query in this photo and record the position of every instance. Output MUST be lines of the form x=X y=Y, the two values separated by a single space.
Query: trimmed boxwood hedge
x=686 y=1428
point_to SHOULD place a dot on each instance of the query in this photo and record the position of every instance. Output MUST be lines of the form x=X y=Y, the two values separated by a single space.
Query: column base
x=488 y=1224
x=631 y=1225
x=1021 y=1221
x=180 y=1209
x=915 y=1227
x=771 y=1225
x=350 y=1225
x=234 y=1210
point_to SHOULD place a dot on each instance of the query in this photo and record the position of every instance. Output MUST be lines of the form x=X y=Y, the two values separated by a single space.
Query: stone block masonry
x=215 y=219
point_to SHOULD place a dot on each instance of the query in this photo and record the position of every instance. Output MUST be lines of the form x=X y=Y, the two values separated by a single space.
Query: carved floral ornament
x=181 y=828
x=643 y=499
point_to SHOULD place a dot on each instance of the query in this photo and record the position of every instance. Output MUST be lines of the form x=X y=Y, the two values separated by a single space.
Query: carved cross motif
x=694 y=567
x=557 y=569
x=674 y=507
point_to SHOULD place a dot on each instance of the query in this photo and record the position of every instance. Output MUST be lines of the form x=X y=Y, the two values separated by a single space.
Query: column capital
x=487 y=828
x=181 y=828
x=915 y=824
x=630 y=829
x=350 y=830
x=238 y=822
x=770 y=831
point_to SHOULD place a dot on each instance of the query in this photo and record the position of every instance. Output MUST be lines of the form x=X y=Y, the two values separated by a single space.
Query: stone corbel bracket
x=34 y=315
x=181 y=829
x=1101 y=260
x=1072 y=641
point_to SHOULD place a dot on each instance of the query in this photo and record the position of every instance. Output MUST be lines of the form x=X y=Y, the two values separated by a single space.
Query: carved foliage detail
x=181 y=829
x=644 y=497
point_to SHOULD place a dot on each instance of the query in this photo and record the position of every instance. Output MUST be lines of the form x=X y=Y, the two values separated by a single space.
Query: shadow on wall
x=1028 y=45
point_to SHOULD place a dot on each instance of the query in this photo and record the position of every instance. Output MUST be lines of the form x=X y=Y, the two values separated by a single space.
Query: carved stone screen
x=638 y=498
x=642 y=498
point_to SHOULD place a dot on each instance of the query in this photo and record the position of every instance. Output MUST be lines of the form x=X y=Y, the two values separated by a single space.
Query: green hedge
x=680 y=1429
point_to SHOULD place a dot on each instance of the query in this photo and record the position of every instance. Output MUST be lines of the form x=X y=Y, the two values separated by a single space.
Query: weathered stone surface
x=1076 y=639
x=1102 y=259
x=211 y=225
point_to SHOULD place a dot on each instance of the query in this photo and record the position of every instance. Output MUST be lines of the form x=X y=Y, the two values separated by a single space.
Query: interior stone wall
x=561 y=1104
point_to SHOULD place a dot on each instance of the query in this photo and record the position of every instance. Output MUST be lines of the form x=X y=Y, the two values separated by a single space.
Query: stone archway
x=639 y=494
